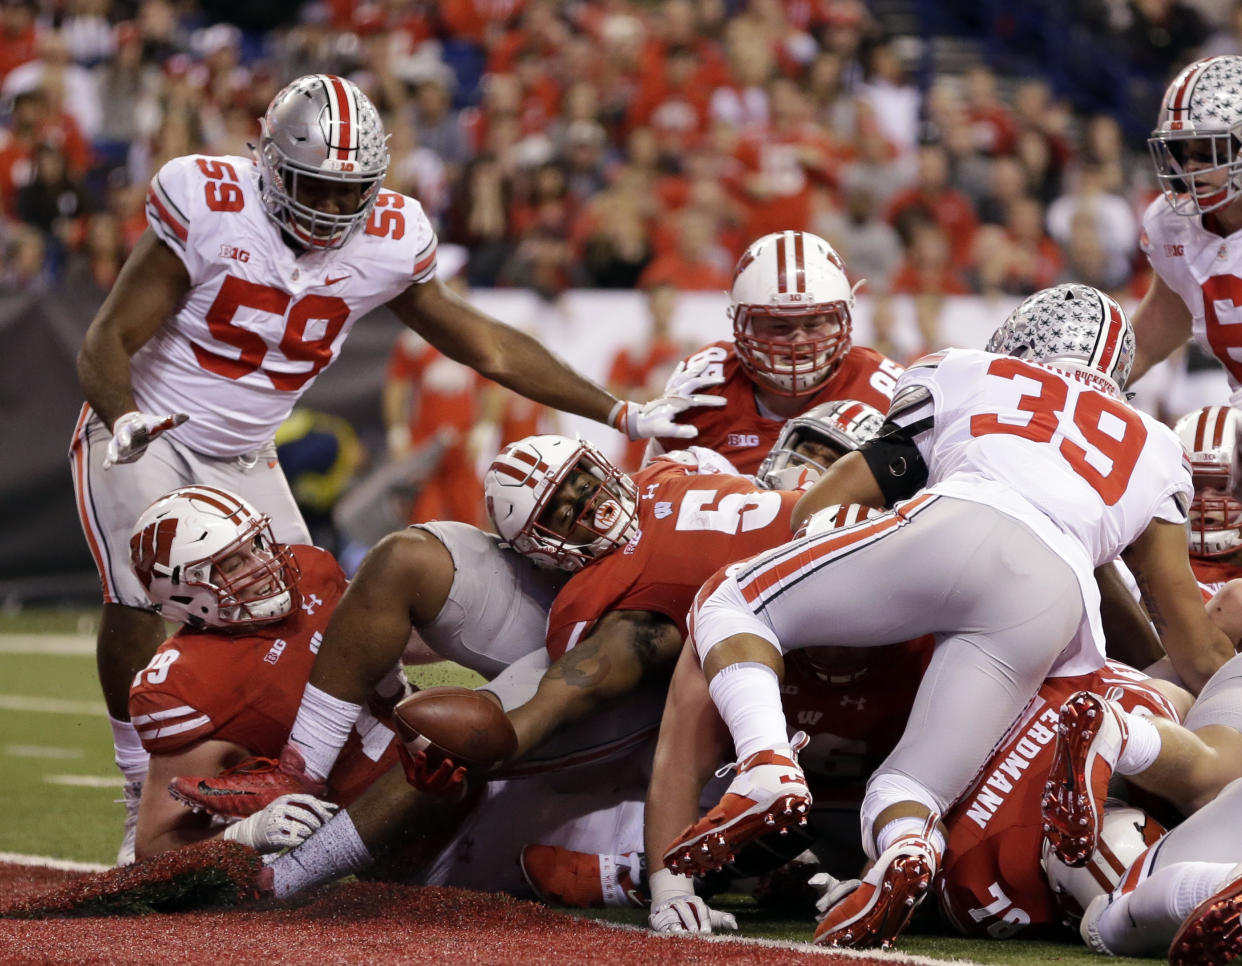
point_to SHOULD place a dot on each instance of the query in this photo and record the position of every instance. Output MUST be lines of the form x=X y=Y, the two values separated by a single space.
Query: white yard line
x=47 y=644
x=42 y=751
x=47 y=862
x=22 y=702
x=85 y=781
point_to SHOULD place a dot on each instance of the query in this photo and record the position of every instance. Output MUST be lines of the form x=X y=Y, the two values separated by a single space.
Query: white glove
x=286 y=822
x=133 y=431
x=801 y=477
x=655 y=418
x=675 y=907
x=831 y=891
x=688 y=914
x=702 y=373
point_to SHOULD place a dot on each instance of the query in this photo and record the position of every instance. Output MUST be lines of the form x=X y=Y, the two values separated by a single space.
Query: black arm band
x=896 y=464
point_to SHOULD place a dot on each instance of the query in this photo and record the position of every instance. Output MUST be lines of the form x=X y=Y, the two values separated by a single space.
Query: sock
x=748 y=697
x=321 y=728
x=909 y=825
x=1144 y=921
x=1141 y=748
x=334 y=851
x=131 y=757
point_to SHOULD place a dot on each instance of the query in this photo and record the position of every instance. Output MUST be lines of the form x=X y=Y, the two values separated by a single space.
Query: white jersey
x=1084 y=471
x=260 y=322
x=1206 y=271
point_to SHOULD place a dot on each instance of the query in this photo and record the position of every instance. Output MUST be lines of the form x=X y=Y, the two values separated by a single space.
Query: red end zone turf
x=362 y=923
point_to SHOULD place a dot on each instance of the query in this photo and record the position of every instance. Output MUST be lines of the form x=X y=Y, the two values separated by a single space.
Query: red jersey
x=741 y=434
x=993 y=885
x=1212 y=575
x=853 y=703
x=691 y=524
x=246 y=688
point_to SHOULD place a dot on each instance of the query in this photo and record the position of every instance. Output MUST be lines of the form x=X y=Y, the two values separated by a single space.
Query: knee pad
x=1220 y=701
x=889 y=788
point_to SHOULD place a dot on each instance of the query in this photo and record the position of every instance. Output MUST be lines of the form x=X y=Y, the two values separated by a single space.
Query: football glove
x=688 y=914
x=286 y=822
x=831 y=891
x=687 y=380
x=132 y=432
x=446 y=781
x=655 y=418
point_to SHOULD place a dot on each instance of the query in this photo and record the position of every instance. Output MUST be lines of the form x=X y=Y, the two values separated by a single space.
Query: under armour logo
x=650 y=494
x=663 y=509
x=310 y=602
x=856 y=703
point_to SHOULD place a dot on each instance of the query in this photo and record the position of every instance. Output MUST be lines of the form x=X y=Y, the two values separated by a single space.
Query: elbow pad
x=896 y=463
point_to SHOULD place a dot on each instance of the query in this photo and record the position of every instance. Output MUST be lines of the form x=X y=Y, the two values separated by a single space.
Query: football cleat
x=131 y=795
x=769 y=794
x=583 y=880
x=1090 y=735
x=249 y=786
x=1212 y=934
x=880 y=908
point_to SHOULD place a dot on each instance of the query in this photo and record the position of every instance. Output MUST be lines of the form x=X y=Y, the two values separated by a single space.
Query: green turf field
x=60 y=783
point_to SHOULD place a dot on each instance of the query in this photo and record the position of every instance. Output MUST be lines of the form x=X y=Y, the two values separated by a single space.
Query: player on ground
x=791 y=308
x=1018 y=466
x=241 y=291
x=1190 y=235
x=225 y=686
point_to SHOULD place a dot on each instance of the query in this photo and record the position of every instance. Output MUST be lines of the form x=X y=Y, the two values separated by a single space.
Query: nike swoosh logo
x=205 y=789
x=333 y=281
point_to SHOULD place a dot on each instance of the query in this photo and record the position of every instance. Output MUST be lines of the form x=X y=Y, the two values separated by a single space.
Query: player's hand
x=445 y=781
x=132 y=432
x=794 y=478
x=701 y=373
x=286 y=822
x=688 y=914
x=655 y=418
x=831 y=891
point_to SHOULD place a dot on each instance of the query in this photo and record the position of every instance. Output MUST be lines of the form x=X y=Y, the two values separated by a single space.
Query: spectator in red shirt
x=17 y=34
x=932 y=197
x=696 y=263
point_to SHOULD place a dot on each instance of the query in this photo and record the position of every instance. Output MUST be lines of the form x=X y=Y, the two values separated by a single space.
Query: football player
x=1016 y=466
x=1189 y=235
x=791 y=308
x=224 y=687
x=248 y=279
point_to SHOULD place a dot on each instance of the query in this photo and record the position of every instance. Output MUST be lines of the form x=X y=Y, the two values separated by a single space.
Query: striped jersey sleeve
x=167 y=210
x=165 y=722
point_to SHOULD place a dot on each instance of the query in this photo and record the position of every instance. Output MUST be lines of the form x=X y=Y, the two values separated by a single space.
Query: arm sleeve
x=893 y=455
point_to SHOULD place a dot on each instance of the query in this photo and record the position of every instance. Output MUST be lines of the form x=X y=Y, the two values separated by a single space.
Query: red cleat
x=1212 y=934
x=1091 y=734
x=249 y=786
x=582 y=880
x=769 y=794
x=880 y=908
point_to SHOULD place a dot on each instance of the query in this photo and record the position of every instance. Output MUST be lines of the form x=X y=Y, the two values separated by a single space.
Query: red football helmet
x=791 y=311
x=522 y=483
x=1210 y=436
x=207 y=558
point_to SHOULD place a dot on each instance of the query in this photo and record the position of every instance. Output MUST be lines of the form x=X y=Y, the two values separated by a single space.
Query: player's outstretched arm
x=151 y=285
x=1158 y=559
x=620 y=651
x=1161 y=324
x=163 y=822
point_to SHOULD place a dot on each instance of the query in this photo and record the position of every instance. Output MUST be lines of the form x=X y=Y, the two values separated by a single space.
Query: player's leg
x=109 y=502
x=976 y=685
x=1166 y=884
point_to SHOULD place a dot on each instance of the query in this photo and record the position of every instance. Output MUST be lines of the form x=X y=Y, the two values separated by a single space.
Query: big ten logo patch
x=274 y=652
x=231 y=251
x=743 y=439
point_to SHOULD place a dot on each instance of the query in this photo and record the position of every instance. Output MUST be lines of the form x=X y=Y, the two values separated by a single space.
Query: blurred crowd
x=603 y=144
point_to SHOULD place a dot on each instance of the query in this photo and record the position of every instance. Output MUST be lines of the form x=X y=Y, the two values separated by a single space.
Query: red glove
x=446 y=780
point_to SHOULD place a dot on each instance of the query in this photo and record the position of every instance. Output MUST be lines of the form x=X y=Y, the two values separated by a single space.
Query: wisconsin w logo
x=150 y=548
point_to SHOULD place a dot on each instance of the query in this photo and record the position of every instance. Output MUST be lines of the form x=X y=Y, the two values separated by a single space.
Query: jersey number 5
x=1090 y=412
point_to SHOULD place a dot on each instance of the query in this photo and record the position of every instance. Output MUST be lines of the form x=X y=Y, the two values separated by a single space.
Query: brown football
x=459 y=723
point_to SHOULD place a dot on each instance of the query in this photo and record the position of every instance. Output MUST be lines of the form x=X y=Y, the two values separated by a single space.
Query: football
x=464 y=725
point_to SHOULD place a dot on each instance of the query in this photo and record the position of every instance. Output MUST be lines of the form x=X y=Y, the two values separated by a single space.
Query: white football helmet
x=522 y=481
x=182 y=539
x=1071 y=326
x=1210 y=436
x=791 y=275
x=842 y=425
x=323 y=127
x=1125 y=834
x=1197 y=143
